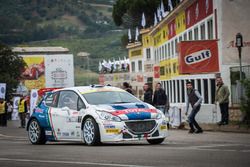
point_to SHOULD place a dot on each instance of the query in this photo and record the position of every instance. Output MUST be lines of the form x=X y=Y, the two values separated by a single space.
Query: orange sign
x=198 y=57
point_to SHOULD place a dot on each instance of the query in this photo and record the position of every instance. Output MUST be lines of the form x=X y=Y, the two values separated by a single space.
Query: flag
x=33 y=99
x=129 y=35
x=170 y=5
x=162 y=9
x=100 y=66
x=143 y=21
x=155 y=21
x=159 y=13
x=2 y=90
x=136 y=34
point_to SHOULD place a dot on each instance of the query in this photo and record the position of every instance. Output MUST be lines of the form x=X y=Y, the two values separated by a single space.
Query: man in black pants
x=194 y=98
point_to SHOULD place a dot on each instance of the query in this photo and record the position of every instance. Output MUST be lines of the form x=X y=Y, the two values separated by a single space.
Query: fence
x=235 y=82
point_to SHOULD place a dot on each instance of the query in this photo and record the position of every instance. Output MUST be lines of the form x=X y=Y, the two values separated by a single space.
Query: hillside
x=80 y=25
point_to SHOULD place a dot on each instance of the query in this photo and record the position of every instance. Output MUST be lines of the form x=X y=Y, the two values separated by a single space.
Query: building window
x=175 y=44
x=183 y=91
x=205 y=90
x=185 y=37
x=172 y=48
x=210 y=29
x=140 y=65
x=203 y=33
x=170 y=91
x=213 y=89
x=148 y=54
x=174 y=91
x=190 y=35
x=199 y=85
x=133 y=66
x=162 y=53
x=178 y=91
x=162 y=70
x=196 y=33
x=168 y=50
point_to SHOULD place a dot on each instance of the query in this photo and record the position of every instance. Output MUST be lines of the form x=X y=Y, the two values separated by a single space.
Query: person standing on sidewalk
x=22 y=109
x=148 y=93
x=127 y=87
x=194 y=98
x=3 y=112
x=222 y=97
x=160 y=100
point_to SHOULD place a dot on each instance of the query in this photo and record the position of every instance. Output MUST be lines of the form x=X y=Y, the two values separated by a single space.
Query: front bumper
x=119 y=131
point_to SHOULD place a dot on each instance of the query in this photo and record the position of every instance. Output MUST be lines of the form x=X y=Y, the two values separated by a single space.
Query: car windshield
x=110 y=97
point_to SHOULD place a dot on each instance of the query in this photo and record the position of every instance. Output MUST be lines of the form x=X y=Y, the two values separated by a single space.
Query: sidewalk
x=13 y=129
x=232 y=127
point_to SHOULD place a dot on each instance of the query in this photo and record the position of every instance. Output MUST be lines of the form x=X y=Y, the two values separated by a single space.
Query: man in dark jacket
x=194 y=98
x=160 y=100
x=127 y=87
x=148 y=93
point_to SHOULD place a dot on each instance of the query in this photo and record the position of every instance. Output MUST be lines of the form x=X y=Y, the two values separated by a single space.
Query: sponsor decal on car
x=48 y=132
x=113 y=130
x=66 y=134
x=134 y=110
x=108 y=126
x=163 y=127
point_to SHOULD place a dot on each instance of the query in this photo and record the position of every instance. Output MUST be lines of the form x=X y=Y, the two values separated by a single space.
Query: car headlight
x=158 y=115
x=108 y=116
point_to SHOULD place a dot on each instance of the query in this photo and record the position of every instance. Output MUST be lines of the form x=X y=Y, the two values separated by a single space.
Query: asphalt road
x=179 y=149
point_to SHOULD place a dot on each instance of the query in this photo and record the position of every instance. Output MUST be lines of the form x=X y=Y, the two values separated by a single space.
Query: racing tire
x=36 y=133
x=156 y=141
x=90 y=132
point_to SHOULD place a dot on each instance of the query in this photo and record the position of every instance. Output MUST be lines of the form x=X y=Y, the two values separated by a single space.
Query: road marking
x=71 y=162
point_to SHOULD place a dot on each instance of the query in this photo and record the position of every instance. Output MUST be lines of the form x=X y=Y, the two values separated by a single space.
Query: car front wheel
x=91 y=134
x=155 y=141
x=36 y=133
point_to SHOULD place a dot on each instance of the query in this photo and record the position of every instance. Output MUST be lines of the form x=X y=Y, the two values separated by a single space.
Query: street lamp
x=239 y=45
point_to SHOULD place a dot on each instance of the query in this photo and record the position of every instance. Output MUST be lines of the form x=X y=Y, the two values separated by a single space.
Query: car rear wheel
x=155 y=141
x=36 y=133
x=91 y=134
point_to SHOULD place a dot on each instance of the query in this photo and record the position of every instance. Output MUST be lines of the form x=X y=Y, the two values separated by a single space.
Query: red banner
x=171 y=29
x=198 y=11
x=156 y=71
x=198 y=57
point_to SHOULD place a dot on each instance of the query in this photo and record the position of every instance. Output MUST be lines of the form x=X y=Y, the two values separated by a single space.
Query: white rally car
x=95 y=114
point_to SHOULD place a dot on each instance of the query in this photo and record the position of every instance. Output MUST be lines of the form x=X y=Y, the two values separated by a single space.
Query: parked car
x=95 y=114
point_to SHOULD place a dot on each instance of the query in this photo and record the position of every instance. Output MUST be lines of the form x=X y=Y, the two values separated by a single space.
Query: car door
x=65 y=116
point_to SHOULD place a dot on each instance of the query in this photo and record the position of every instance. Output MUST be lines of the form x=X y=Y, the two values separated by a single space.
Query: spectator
x=148 y=93
x=9 y=110
x=3 y=112
x=127 y=87
x=22 y=109
x=160 y=100
x=222 y=97
x=194 y=98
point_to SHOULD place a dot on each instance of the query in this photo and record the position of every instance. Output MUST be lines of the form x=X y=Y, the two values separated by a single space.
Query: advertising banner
x=198 y=57
x=59 y=70
x=2 y=90
x=33 y=74
x=33 y=99
x=14 y=115
x=156 y=71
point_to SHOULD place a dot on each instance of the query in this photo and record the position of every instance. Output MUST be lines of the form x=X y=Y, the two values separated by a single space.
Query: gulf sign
x=197 y=57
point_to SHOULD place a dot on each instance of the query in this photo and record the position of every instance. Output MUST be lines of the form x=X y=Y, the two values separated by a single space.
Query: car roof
x=93 y=88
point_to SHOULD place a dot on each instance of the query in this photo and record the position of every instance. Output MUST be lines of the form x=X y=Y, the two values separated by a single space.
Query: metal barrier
x=235 y=82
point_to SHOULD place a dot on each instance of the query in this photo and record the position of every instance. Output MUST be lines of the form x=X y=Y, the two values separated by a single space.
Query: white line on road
x=70 y=162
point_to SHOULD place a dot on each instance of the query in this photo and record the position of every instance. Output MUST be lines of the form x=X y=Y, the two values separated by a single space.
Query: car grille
x=141 y=127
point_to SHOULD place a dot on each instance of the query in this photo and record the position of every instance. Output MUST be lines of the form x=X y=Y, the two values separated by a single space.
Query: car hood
x=130 y=111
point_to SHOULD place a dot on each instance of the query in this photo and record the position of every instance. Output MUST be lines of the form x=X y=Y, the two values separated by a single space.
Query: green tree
x=10 y=68
x=245 y=102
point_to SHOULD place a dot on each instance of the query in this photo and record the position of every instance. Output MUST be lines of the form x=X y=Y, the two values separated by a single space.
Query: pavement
x=179 y=149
